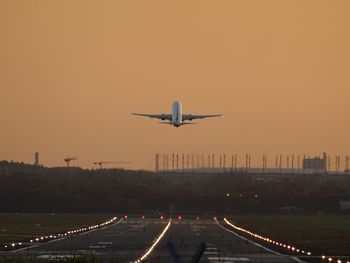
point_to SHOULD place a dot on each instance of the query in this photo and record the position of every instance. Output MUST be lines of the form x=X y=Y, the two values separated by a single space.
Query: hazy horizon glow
x=72 y=72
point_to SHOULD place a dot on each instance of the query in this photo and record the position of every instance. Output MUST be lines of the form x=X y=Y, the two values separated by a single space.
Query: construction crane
x=69 y=159
x=101 y=163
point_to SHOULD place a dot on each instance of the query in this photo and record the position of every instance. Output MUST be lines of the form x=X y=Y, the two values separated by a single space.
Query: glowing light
x=289 y=247
x=37 y=239
x=149 y=251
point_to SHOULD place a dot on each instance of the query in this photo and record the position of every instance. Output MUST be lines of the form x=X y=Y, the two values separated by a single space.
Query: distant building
x=316 y=163
x=36 y=159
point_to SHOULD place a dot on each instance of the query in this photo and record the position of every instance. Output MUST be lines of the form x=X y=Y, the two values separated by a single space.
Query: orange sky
x=72 y=71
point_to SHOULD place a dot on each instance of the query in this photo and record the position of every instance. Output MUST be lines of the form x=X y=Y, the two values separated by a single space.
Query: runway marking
x=105 y=243
x=211 y=253
x=228 y=259
x=97 y=246
x=55 y=257
x=258 y=245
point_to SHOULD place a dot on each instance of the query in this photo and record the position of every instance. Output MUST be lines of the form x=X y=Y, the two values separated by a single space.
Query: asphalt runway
x=128 y=240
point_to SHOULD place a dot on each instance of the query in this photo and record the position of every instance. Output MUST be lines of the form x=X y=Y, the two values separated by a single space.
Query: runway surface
x=128 y=240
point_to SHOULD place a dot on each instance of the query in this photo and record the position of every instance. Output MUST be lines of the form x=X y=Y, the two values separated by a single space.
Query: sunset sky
x=71 y=72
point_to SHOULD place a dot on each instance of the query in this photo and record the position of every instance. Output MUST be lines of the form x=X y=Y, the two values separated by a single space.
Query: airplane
x=176 y=118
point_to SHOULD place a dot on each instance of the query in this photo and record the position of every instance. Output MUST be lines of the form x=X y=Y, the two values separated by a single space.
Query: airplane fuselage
x=176 y=114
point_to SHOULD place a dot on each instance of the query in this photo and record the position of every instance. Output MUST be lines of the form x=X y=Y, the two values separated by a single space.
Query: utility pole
x=192 y=162
x=177 y=161
x=232 y=161
x=157 y=162
x=183 y=162
x=336 y=163
x=276 y=161
x=246 y=163
x=280 y=163
x=224 y=164
x=263 y=163
x=235 y=162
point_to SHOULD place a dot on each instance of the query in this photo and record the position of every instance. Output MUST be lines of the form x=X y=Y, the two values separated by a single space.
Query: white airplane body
x=176 y=118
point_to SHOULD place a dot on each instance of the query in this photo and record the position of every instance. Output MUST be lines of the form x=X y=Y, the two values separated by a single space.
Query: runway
x=127 y=240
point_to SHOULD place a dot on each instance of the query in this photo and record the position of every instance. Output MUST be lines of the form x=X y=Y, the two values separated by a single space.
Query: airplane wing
x=191 y=117
x=155 y=116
